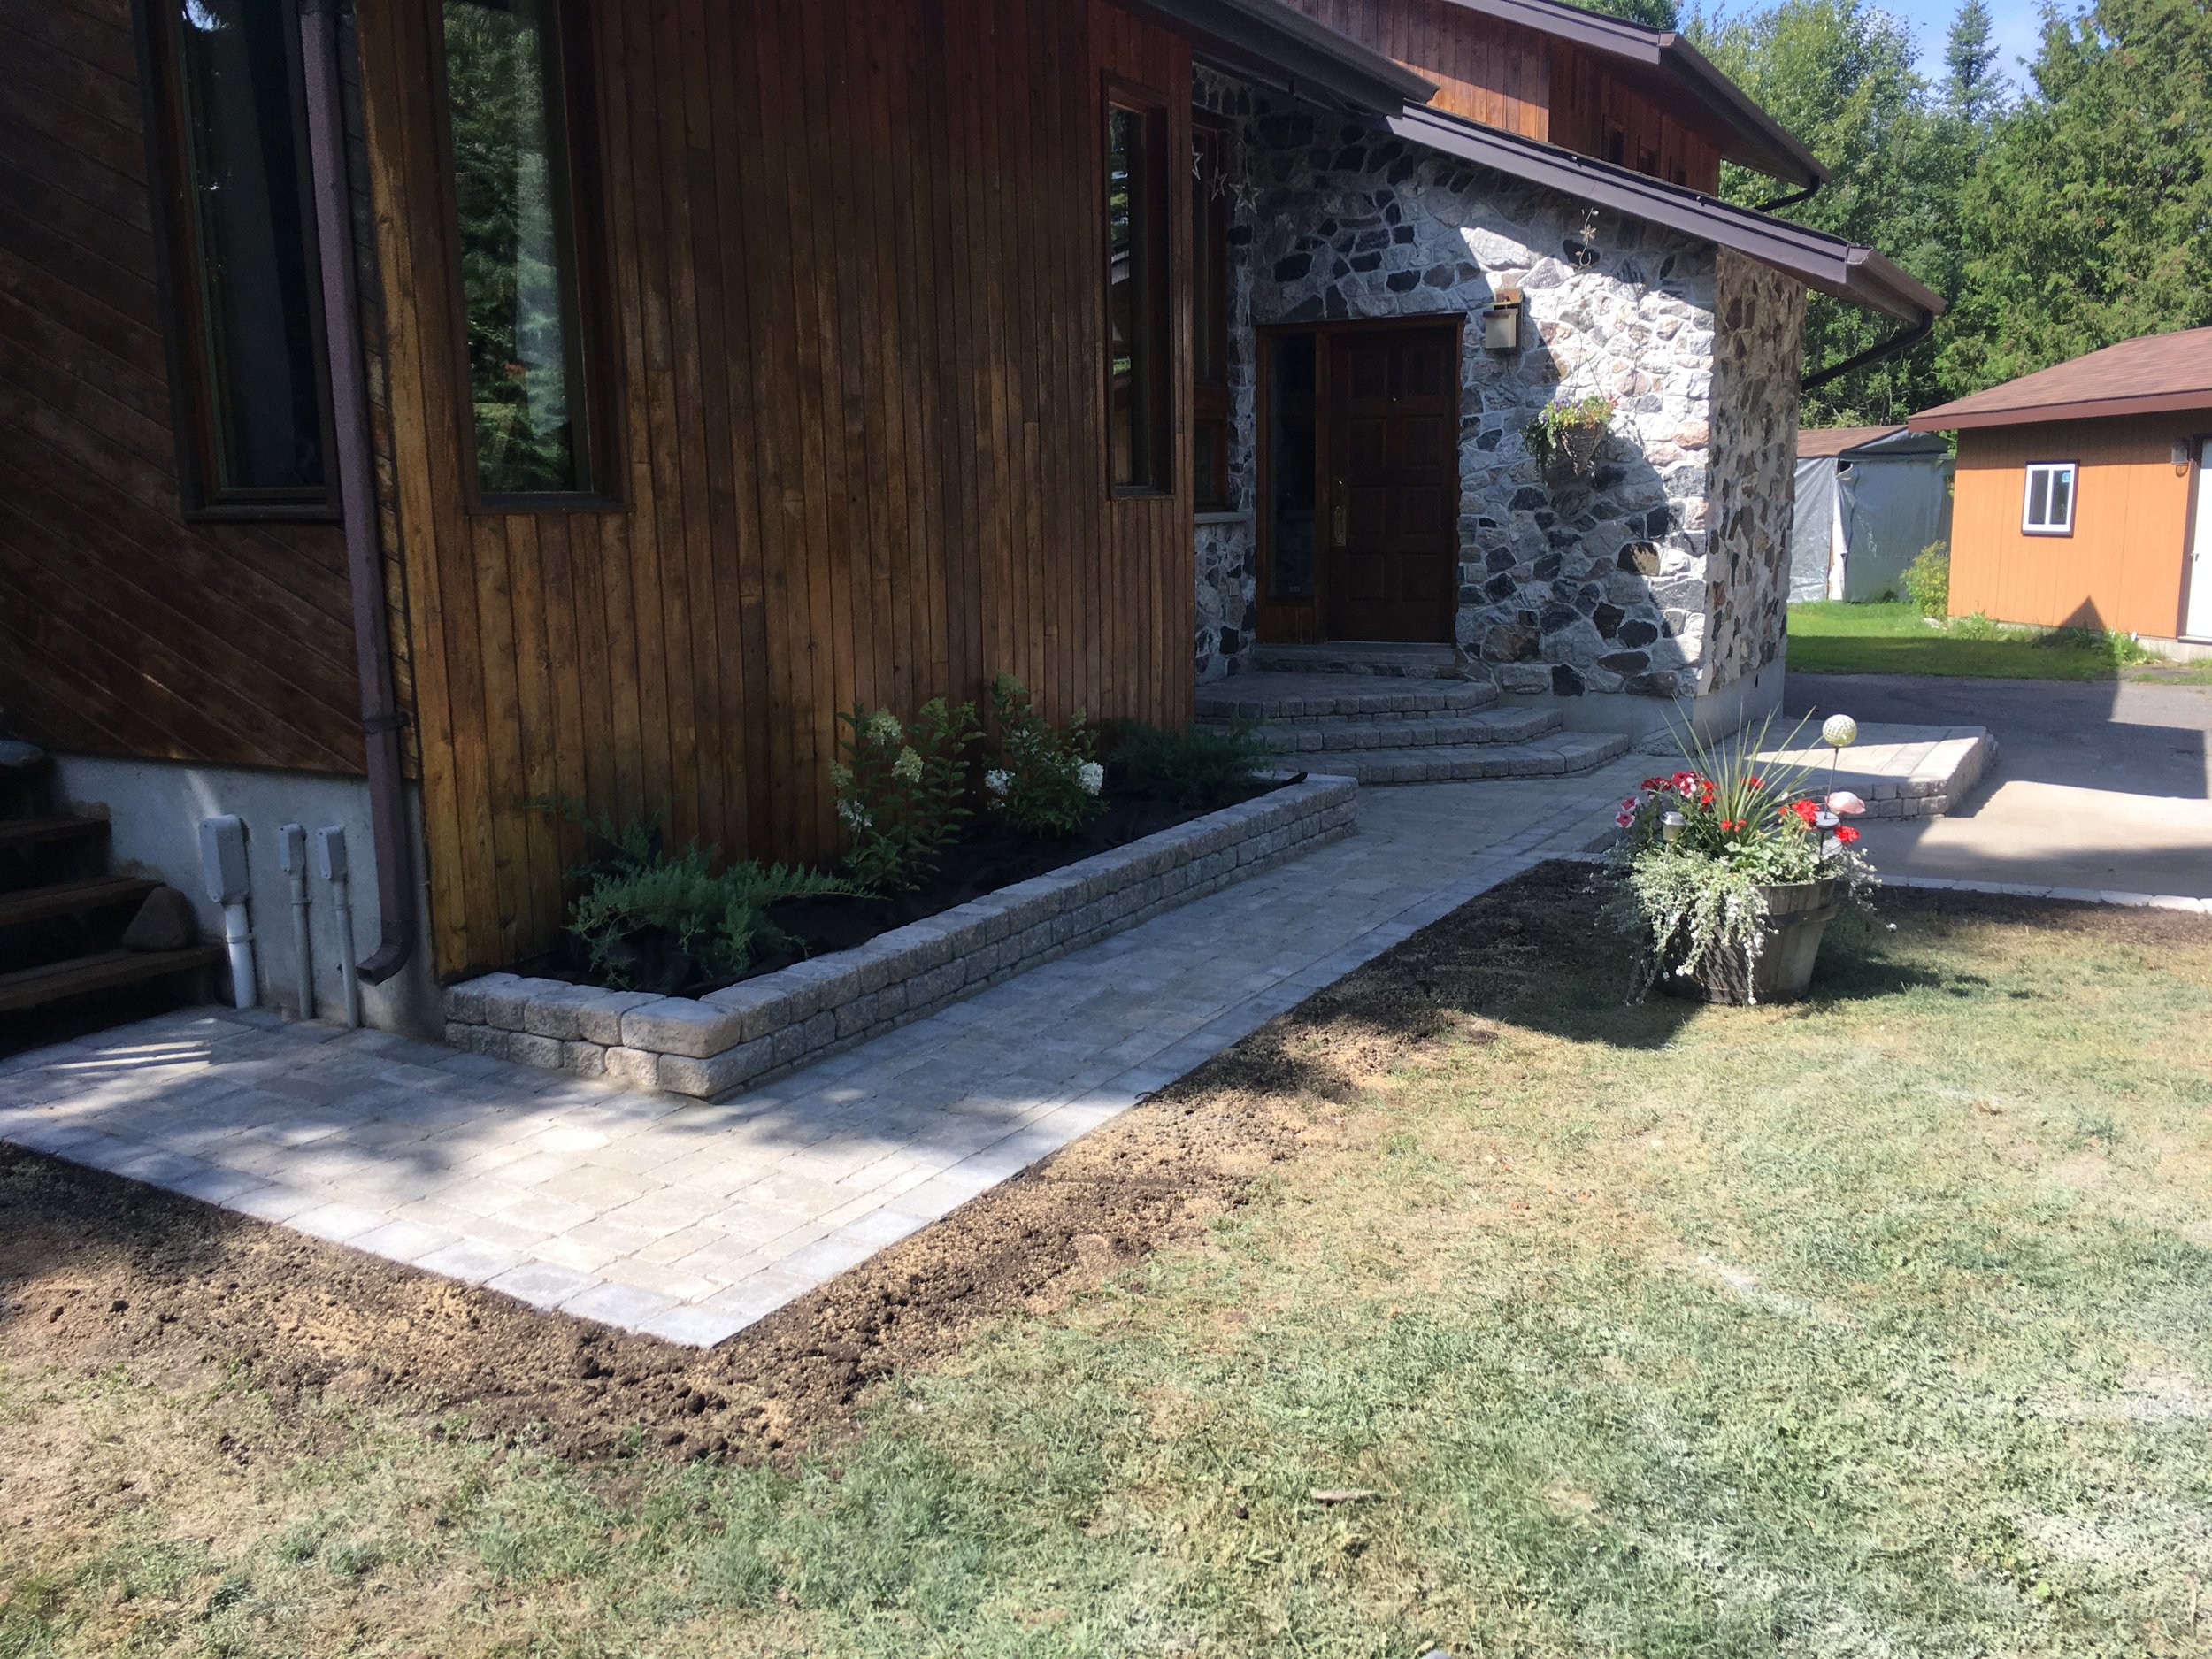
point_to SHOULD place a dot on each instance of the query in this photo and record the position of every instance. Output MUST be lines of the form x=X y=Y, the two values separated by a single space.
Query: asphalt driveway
x=2105 y=784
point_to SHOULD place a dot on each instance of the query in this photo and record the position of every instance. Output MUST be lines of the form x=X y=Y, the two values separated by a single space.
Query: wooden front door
x=1392 y=543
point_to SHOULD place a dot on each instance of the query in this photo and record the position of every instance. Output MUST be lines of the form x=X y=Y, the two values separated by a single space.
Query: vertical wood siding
x=854 y=257
x=1486 y=71
x=2122 y=568
x=1590 y=101
x=124 y=628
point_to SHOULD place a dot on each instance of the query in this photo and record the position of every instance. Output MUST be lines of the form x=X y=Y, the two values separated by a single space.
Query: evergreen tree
x=1974 y=91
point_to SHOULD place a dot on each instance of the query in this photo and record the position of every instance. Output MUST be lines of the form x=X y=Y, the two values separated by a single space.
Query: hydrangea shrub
x=1048 y=782
x=902 y=789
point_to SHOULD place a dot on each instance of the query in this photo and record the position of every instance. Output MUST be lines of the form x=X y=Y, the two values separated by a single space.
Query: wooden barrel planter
x=1798 y=913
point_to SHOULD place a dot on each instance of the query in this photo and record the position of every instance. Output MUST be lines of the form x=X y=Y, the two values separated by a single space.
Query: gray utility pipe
x=380 y=718
x=292 y=859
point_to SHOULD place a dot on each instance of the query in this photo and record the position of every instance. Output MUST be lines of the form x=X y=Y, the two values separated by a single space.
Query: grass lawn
x=1878 y=1326
x=1834 y=637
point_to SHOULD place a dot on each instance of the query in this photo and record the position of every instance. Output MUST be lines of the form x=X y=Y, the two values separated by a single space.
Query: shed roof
x=2149 y=376
x=1815 y=443
x=1863 y=276
x=1757 y=140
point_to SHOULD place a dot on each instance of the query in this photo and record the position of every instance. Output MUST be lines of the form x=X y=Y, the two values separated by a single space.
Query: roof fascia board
x=2045 y=414
x=1859 y=275
x=1313 y=56
x=1767 y=145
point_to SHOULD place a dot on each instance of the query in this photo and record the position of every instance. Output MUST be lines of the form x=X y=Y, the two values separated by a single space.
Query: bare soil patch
x=96 y=1271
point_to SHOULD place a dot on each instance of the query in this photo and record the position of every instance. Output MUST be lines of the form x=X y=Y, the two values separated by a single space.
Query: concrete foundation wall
x=156 y=807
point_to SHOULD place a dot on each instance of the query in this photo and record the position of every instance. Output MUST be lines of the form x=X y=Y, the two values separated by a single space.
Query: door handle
x=1339 y=513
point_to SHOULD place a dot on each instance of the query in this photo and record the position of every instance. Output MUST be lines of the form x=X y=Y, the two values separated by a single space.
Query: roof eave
x=1311 y=56
x=1861 y=276
x=1764 y=144
x=1947 y=418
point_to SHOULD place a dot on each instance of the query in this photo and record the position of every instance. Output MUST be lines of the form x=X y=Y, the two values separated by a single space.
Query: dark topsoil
x=988 y=857
x=95 y=1270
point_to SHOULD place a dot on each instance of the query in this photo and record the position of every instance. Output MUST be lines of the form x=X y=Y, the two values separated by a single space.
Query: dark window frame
x=180 y=282
x=579 y=202
x=1213 y=296
x=1152 y=107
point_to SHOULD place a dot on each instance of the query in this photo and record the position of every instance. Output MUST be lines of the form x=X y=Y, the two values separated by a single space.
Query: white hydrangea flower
x=998 y=781
x=884 y=726
x=908 y=765
x=1840 y=730
x=840 y=775
x=1092 y=776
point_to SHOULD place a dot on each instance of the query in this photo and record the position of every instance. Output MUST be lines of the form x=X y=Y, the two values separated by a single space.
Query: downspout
x=381 y=718
x=1903 y=341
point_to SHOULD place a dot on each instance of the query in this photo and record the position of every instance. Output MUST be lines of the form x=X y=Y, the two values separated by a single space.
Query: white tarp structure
x=1869 y=499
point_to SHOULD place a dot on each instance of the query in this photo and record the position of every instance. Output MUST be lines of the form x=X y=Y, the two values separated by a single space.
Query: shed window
x=252 y=402
x=511 y=130
x=2048 y=508
x=1136 y=285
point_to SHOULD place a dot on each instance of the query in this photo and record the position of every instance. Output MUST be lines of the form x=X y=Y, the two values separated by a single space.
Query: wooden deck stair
x=63 y=914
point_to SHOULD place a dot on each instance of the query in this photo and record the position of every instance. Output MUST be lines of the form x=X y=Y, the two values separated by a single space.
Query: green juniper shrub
x=1928 y=579
x=1048 y=782
x=902 y=789
x=670 y=919
x=1195 y=768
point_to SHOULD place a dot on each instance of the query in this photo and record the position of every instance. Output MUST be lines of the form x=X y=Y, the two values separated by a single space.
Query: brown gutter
x=1942 y=420
x=381 y=718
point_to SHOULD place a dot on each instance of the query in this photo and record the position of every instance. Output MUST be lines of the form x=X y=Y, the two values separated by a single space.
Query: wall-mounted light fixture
x=2181 y=457
x=1502 y=322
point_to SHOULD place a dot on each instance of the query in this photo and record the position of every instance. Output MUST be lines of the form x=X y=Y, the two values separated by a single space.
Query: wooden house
x=2080 y=498
x=412 y=410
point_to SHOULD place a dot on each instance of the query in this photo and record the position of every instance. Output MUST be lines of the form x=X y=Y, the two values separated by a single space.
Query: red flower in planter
x=1806 y=811
x=1845 y=835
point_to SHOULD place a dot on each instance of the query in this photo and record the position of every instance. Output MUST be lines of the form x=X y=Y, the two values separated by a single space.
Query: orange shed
x=2079 y=498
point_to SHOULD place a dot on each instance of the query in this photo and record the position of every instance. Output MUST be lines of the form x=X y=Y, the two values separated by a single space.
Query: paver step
x=1418 y=662
x=46 y=831
x=1550 y=756
x=71 y=898
x=30 y=988
x=1424 y=730
x=1310 y=696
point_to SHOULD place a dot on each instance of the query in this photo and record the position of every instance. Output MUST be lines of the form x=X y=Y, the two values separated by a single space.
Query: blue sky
x=2019 y=28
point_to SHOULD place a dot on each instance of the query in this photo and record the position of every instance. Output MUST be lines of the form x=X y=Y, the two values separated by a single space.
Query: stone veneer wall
x=1228 y=546
x=1610 y=584
x=1753 y=465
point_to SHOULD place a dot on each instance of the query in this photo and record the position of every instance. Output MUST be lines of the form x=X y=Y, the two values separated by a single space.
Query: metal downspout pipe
x=381 y=718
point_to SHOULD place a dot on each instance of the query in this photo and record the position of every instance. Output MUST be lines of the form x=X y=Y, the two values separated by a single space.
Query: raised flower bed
x=760 y=1027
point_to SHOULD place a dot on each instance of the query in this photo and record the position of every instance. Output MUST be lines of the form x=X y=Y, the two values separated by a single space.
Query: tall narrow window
x=2048 y=509
x=251 y=391
x=1136 y=308
x=1210 y=299
x=506 y=99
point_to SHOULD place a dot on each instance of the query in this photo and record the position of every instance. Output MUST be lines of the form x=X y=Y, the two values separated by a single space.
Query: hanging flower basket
x=1565 y=438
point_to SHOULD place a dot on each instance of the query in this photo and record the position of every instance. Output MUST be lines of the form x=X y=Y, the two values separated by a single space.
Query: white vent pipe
x=223 y=865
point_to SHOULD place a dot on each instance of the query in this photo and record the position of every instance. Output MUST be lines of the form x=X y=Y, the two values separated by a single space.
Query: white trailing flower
x=1839 y=730
x=1091 y=776
x=855 y=818
x=908 y=765
x=884 y=726
x=998 y=781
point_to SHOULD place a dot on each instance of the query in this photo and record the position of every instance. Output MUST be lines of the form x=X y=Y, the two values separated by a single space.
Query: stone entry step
x=1389 y=661
x=1427 y=731
x=1551 y=756
x=1336 y=697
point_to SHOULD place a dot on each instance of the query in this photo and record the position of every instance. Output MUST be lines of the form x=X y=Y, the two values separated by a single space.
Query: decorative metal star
x=1247 y=196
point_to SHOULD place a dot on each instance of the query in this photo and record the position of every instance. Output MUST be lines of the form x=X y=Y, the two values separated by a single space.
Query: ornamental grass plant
x=1702 y=846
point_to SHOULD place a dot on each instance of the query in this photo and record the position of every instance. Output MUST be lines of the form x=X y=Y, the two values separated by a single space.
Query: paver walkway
x=690 y=1221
